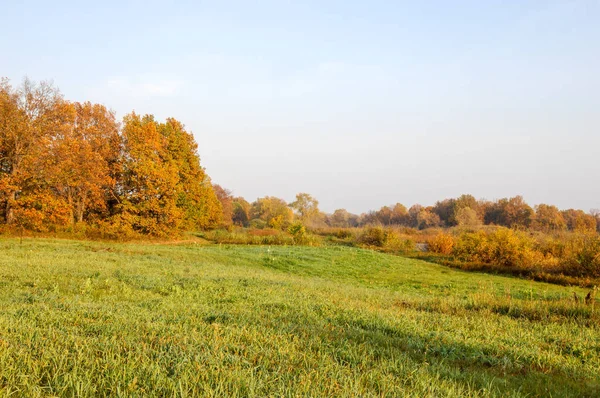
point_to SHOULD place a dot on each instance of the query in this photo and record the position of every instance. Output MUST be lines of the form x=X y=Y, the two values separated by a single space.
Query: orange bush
x=442 y=243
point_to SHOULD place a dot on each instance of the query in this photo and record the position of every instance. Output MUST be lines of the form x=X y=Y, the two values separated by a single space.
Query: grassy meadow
x=82 y=318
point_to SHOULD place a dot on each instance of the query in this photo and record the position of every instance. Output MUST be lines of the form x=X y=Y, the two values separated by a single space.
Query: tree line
x=462 y=211
x=65 y=164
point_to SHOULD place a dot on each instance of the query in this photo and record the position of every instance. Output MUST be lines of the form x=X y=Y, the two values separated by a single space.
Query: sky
x=359 y=103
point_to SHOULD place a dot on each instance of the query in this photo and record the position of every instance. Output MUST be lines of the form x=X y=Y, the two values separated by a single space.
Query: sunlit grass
x=89 y=319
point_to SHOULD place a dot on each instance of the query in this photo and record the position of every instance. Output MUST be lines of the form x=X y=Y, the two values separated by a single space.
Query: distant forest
x=74 y=165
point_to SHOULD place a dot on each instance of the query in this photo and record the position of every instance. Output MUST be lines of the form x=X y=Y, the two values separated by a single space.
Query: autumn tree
x=548 y=218
x=341 y=218
x=413 y=214
x=369 y=218
x=30 y=118
x=195 y=195
x=307 y=208
x=449 y=210
x=423 y=217
x=84 y=160
x=467 y=210
x=241 y=212
x=384 y=215
x=596 y=214
x=579 y=221
x=162 y=186
x=518 y=213
x=272 y=211
x=338 y=219
x=467 y=217
x=484 y=207
x=428 y=219
x=445 y=211
x=150 y=178
x=226 y=199
x=399 y=215
x=513 y=212
x=12 y=121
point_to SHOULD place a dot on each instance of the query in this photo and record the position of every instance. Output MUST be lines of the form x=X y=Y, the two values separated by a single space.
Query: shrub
x=442 y=243
x=341 y=233
x=397 y=243
x=372 y=236
x=503 y=246
x=298 y=231
x=259 y=237
x=257 y=223
x=473 y=247
x=262 y=232
x=115 y=228
x=511 y=248
x=277 y=222
x=582 y=254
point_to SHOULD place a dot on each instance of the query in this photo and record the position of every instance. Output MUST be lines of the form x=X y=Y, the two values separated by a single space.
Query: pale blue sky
x=360 y=103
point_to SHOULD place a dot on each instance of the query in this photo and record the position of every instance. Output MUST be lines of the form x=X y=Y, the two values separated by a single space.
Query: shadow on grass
x=522 y=273
x=474 y=367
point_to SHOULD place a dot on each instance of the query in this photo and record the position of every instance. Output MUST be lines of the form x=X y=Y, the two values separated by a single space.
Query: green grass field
x=88 y=319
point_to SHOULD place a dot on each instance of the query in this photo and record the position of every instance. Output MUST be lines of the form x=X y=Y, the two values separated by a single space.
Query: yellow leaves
x=164 y=186
x=273 y=211
x=442 y=243
x=503 y=246
x=276 y=222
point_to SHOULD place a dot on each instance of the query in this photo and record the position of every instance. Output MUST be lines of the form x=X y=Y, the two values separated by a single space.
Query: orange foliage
x=442 y=243
x=62 y=163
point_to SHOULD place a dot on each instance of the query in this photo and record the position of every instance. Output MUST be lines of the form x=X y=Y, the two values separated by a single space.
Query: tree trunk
x=81 y=207
x=71 y=205
x=10 y=215
x=12 y=196
x=80 y=211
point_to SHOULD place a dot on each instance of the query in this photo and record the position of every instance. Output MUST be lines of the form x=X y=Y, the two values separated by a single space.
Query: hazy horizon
x=361 y=105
